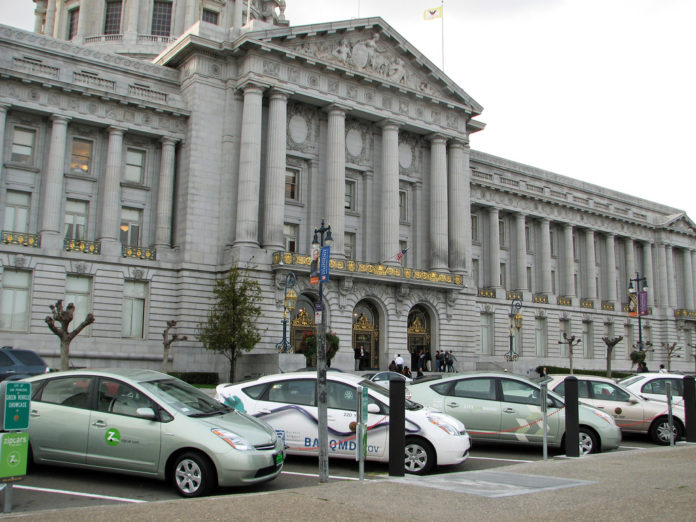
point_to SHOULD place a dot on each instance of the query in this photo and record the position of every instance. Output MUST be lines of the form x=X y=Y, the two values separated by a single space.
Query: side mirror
x=145 y=413
x=372 y=408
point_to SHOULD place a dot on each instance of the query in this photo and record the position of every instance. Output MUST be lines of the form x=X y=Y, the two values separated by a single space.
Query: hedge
x=197 y=377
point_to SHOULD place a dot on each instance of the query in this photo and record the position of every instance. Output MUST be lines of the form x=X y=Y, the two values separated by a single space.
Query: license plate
x=279 y=459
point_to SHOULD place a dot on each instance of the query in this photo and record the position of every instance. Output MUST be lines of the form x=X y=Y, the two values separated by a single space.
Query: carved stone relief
x=358 y=142
x=303 y=128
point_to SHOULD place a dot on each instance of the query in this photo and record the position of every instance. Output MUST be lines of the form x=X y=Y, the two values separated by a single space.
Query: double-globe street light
x=289 y=303
x=638 y=295
x=515 y=322
x=322 y=236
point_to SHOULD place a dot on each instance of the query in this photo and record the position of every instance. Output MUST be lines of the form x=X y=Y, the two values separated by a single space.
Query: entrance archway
x=419 y=334
x=366 y=334
x=302 y=323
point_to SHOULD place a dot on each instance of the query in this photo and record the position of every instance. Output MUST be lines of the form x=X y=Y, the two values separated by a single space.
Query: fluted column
x=688 y=280
x=439 y=228
x=165 y=194
x=545 y=254
x=590 y=269
x=389 y=211
x=274 y=192
x=247 y=230
x=50 y=18
x=112 y=184
x=630 y=257
x=493 y=248
x=568 y=261
x=237 y=14
x=611 y=268
x=52 y=190
x=459 y=201
x=4 y=107
x=336 y=177
x=663 y=281
x=648 y=271
x=130 y=27
x=671 y=279
x=520 y=252
x=39 y=14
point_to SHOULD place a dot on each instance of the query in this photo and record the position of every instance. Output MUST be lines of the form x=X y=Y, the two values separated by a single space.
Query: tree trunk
x=164 y=359
x=64 y=354
x=608 y=363
x=570 y=352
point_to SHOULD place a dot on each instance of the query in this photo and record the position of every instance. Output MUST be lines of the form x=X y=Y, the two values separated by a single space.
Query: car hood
x=252 y=429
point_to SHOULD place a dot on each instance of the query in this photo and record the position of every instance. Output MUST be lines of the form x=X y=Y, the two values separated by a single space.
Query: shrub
x=197 y=378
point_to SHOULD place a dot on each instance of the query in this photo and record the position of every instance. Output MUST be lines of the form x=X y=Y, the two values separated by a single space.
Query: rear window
x=5 y=360
x=29 y=358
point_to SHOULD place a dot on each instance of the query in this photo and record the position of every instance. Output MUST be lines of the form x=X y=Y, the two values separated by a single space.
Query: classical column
x=591 y=268
x=630 y=258
x=611 y=268
x=50 y=18
x=545 y=255
x=662 y=276
x=688 y=280
x=274 y=192
x=420 y=242
x=130 y=27
x=39 y=14
x=58 y=23
x=568 y=261
x=165 y=194
x=237 y=14
x=671 y=279
x=439 y=228
x=648 y=271
x=693 y=274
x=521 y=252
x=493 y=248
x=459 y=201
x=4 y=107
x=389 y=204
x=111 y=203
x=52 y=190
x=336 y=177
x=247 y=230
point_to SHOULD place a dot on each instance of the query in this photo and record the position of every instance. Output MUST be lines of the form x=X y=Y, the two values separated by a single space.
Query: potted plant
x=309 y=343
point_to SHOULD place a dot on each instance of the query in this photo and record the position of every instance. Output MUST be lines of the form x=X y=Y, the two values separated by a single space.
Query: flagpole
x=442 y=32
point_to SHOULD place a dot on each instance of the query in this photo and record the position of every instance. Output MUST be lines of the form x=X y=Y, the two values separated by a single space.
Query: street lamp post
x=515 y=322
x=289 y=302
x=322 y=236
x=638 y=295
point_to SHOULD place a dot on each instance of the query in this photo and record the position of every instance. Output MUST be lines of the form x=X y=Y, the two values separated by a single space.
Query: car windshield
x=630 y=380
x=185 y=398
x=410 y=405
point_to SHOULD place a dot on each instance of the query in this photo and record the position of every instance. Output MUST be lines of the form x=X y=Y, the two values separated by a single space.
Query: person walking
x=356 y=356
x=438 y=361
x=450 y=362
x=399 y=362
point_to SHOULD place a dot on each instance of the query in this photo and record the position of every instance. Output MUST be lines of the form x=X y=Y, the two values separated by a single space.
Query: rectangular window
x=14 y=304
x=350 y=195
x=134 y=296
x=349 y=245
x=576 y=251
x=78 y=290
x=552 y=240
x=81 y=156
x=135 y=165
x=161 y=18
x=527 y=239
x=290 y=235
x=529 y=279
x=112 y=19
x=210 y=16
x=474 y=228
x=503 y=278
x=540 y=336
x=131 y=224
x=291 y=186
x=486 y=334
x=23 y=143
x=76 y=219
x=475 y=271
x=564 y=329
x=17 y=205
x=575 y=284
x=553 y=282
x=587 y=340
x=403 y=206
x=73 y=17
x=403 y=246
x=501 y=232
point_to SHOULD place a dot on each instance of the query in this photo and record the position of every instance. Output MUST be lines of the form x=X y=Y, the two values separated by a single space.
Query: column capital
x=388 y=123
x=59 y=118
x=459 y=143
x=280 y=94
x=333 y=108
x=168 y=140
x=436 y=138
x=113 y=129
x=252 y=85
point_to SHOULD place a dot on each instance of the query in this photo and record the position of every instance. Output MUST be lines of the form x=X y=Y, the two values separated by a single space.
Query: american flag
x=431 y=14
x=401 y=254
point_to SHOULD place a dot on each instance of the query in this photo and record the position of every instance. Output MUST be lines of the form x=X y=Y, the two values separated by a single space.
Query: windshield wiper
x=208 y=413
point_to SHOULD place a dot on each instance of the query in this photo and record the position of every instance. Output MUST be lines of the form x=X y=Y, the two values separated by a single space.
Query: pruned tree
x=59 y=323
x=572 y=342
x=167 y=342
x=639 y=353
x=671 y=350
x=231 y=326
x=611 y=343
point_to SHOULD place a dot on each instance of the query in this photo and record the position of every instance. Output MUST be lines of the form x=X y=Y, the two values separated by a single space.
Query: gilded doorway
x=419 y=334
x=366 y=335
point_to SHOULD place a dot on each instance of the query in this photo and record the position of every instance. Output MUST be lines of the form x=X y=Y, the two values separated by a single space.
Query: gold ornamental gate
x=365 y=334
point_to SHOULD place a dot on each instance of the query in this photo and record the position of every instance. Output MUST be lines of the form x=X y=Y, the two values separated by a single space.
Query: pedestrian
x=445 y=361
x=437 y=360
x=364 y=355
x=642 y=367
x=356 y=356
x=399 y=362
x=450 y=362
x=392 y=366
x=421 y=363
x=407 y=372
x=662 y=369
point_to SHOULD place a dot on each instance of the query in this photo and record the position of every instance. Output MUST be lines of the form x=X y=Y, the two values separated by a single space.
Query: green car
x=502 y=407
x=146 y=423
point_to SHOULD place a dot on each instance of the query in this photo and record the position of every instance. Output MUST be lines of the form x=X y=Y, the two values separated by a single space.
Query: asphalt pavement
x=641 y=484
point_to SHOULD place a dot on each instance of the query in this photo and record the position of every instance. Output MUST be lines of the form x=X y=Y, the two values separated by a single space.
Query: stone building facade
x=148 y=146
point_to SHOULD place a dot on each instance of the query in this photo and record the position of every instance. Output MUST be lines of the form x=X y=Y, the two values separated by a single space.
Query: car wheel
x=194 y=475
x=419 y=456
x=588 y=442
x=659 y=431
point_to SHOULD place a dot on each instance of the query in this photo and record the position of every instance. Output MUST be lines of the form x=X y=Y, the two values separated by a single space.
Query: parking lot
x=59 y=488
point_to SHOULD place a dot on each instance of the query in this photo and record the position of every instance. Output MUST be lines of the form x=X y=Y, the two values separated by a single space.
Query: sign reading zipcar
x=16 y=397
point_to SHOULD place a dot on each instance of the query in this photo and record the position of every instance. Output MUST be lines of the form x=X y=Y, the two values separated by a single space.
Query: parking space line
x=78 y=494
x=316 y=476
x=631 y=447
x=502 y=460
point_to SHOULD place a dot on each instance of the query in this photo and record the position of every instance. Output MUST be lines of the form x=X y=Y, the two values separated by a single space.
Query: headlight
x=604 y=416
x=233 y=439
x=444 y=425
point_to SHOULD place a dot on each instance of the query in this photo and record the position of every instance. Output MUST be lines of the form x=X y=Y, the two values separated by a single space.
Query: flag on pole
x=401 y=254
x=431 y=14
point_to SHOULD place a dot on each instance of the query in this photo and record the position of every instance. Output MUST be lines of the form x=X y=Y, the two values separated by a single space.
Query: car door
x=521 y=414
x=628 y=414
x=59 y=419
x=474 y=402
x=118 y=438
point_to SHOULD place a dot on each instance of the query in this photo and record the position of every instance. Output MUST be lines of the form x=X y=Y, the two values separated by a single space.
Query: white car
x=653 y=386
x=288 y=403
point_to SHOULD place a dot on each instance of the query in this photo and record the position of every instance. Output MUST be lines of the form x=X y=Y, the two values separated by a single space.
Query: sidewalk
x=621 y=485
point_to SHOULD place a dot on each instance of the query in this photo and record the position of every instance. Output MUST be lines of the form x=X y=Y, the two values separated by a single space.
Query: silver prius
x=146 y=423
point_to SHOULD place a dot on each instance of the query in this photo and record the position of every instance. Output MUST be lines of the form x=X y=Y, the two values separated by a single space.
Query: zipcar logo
x=112 y=437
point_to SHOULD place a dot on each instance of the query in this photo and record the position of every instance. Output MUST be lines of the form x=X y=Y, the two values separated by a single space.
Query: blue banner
x=324 y=264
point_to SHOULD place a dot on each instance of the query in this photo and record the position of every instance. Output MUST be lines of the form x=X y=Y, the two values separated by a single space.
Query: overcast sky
x=600 y=90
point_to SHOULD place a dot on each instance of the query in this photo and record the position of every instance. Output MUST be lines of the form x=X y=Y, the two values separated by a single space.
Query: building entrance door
x=365 y=335
x=418 y=336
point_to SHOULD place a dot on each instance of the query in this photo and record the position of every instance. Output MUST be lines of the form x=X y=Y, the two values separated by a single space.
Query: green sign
x=14 y=448
x=15 y=405
x=112 y=437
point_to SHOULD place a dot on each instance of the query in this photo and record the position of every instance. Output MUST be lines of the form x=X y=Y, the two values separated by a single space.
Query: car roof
x=459 y=375
x=650 y=375
x=134 y=374
x=334 y=376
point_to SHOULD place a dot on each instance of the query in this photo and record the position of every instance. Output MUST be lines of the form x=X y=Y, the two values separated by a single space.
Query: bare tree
x=168 y=343
x=671 y=350
x=572 y=342
x=611 y=343
x=59 y=324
